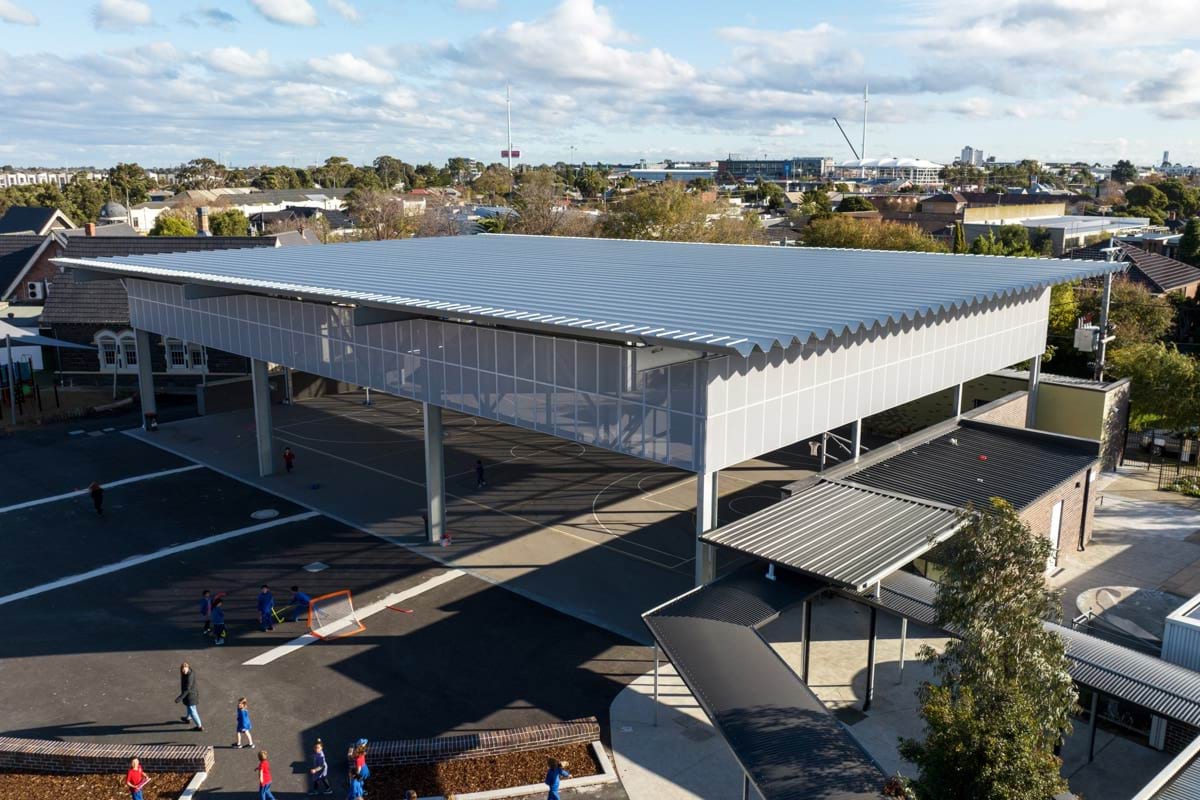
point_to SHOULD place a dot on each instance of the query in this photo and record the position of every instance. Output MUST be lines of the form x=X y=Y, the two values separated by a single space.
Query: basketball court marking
x=134 y=561
x=362 y=613
x=109 y=485
x=486 y=507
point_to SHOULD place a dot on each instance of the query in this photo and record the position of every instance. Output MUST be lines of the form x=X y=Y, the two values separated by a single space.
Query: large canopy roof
x=705 y=296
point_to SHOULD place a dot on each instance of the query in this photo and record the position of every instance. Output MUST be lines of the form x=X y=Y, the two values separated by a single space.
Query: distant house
x=18 y=253
x=97 y=312
x=33 y=219
x=1158 y=273
x=300 y=217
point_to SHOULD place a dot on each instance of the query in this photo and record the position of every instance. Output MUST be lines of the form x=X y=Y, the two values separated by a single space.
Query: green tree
x=1189 y=243
x=854 y=202
x=1181 y=197
x=129 y=183
x=1003 y=697
x=495 y=182
x=537 y=201
x=365 y=177
x=959 y=244
x=390 y=170
x=230 y=222
x=1165 y=385
x=858 y=234
x=815 y=204
x=1064 y=310
x=1124 y=171
x=591 y=182
x=85 y=197
x=202 y=173
x=335 y=173
x=171 y=223
x=1146 y=195
x=667 y=211
x=1136 y=315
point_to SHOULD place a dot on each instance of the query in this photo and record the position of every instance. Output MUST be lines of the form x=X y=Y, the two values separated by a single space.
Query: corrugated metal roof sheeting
x=734 y=297
x=850 y=535
x=1166 y=689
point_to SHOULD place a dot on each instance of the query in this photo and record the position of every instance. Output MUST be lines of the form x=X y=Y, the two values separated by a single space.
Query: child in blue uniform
x=555 y=771
x=243 y=724
x=300 y=601
x=218 y=621
x=356 y=787
x=206 y=611
x=266 y=609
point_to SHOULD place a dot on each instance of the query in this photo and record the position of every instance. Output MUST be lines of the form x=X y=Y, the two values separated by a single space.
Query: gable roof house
x=97 y=312
x=33 y=219
x=1158 y=273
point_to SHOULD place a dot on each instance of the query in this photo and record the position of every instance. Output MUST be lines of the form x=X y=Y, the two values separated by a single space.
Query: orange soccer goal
x=332 y=616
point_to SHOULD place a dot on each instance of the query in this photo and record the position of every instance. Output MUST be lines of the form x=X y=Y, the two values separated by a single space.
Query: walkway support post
x=958 y=398
x=806 y=640
x=1092 y=726
x=1035 y=380
x=745 y=786
x=263 y=432
x=856 y=439
x=706 y=520
x=12 y=378
x=656 y=684
x=871 y=659
x=903 y=639
x=145 y=368
x=435 y=473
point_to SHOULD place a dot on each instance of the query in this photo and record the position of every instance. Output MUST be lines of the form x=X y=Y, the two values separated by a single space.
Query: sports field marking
x=134 y=561
x=362 y=613
x=109 y=485
x=526 y=520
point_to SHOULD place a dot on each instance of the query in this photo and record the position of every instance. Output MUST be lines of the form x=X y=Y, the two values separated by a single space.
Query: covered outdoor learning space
x=694 y=356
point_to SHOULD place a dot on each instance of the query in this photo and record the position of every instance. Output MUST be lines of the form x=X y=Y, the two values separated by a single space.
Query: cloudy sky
x=292 y=81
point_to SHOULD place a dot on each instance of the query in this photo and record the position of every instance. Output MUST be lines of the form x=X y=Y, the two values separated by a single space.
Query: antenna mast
x=863 y=150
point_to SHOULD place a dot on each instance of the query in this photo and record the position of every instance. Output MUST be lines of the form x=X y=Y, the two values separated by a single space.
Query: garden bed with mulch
x=477 y=774
x=88 y=786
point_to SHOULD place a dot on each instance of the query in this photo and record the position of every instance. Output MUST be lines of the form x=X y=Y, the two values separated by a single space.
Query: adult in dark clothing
x=97 y=493
x=189 y=695
x=480 y=482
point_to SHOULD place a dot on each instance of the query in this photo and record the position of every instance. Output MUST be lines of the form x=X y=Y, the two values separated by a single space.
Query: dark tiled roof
x=105 y=302
x=978 y=461
x=110 y=229
x=94 y=302
x=115 y=246
x=1159 y=273
x=15 y=252
x=22 y=219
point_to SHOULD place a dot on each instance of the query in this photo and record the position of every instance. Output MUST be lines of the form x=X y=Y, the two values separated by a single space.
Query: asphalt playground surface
x=532 y=614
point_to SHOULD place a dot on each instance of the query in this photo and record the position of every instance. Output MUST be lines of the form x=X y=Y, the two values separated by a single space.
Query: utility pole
x=863 y=149
x=1110 y=255
x=508 y=105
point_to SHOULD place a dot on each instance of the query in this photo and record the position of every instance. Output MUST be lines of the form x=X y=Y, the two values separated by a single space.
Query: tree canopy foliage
x=230 y=222
x=1136 y=315
x=1165 y=390
x=849 y=232
x=172 y=223
x=1124 y=171
x=669 y=212
x=1003 y=698
x=1189 y=243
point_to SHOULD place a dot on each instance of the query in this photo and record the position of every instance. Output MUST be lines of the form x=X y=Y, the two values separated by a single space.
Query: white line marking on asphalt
x=111 y=484
x=366 y=611
x=134 y=561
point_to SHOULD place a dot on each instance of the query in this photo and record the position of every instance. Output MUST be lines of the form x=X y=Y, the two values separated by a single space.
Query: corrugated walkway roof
x=978 y=461
x=842 y=533
x=785 y=738
x=733 y=297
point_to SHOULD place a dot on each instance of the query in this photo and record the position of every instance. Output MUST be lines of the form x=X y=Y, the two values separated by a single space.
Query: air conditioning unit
x=36 y=290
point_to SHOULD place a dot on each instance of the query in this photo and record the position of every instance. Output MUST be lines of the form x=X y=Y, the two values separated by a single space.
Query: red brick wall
x=485 y=743
x=37 y=755
x=42 y=270
x=1071 y=492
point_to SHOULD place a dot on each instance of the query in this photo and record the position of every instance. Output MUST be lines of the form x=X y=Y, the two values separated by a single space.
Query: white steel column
x=856 y=439
x=958 y=396
x=263 y=431
x=1035 y=379
x=435 y=473
x=145 y=368
x=706 y=520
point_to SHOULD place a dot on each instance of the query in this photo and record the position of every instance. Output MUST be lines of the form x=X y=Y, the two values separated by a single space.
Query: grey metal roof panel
x=846 y=534
x=1159 y=272
x=737 y=297
x=1183 y=780
x=785 y=738
x=976 y=462
x=1166 y=689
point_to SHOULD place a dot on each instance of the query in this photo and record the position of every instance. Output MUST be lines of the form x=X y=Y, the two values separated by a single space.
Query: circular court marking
x=739 y=504
x=265 y=513
x=529 y=451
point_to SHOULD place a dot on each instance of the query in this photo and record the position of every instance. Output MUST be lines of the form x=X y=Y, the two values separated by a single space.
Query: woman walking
x=189 y=695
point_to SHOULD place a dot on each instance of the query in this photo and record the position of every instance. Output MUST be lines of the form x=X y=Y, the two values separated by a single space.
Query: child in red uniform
x=135 y=779
x=289 y=458
x=264 y=776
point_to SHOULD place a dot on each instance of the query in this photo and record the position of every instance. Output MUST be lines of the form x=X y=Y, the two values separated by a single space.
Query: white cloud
x=401 y=98
x=344 y=10
x=17 y=15
x=120 y=15
x=287 y=12
x=476 y=5
x=236 y=61
x=351 y=68
x=576 y=43
x=784 y=130
x=973 y=107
